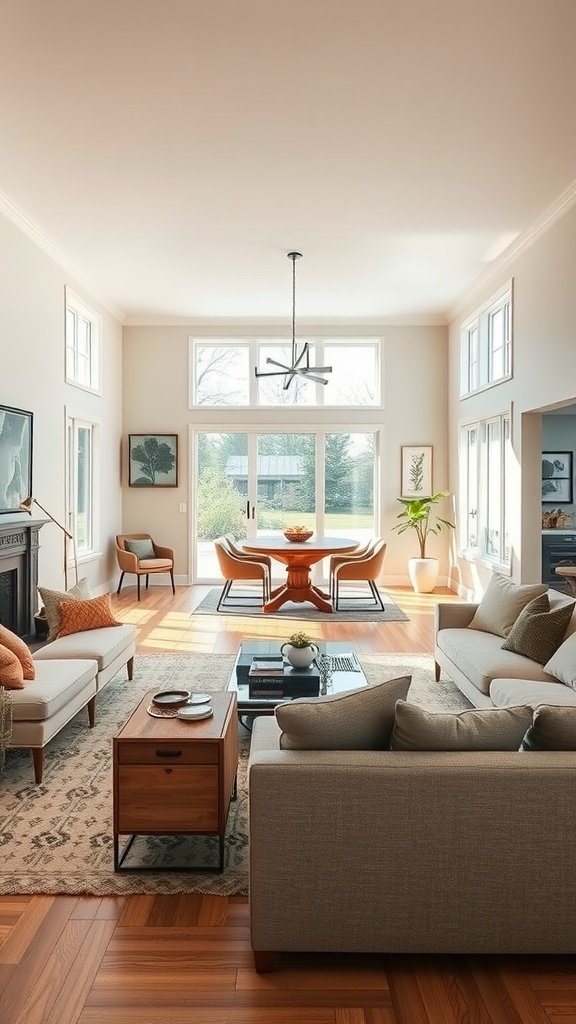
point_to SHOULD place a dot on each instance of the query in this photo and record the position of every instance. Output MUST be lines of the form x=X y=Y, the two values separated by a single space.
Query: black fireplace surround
x=19 y=572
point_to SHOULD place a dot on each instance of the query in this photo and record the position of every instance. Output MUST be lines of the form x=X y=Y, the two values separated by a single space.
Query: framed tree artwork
x=416 y=471
x=153 y=460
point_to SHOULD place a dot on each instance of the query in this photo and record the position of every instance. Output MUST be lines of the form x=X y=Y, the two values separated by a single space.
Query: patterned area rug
x=353 y=612
x=57 y=837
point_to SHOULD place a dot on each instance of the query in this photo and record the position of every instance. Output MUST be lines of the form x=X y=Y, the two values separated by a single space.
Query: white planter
x=299 y=657
x=423 y=574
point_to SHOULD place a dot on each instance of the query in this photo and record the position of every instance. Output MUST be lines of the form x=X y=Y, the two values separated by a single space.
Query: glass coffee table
x=347 y=675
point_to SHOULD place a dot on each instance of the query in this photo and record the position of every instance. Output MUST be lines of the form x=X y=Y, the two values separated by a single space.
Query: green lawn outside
x=269 y=520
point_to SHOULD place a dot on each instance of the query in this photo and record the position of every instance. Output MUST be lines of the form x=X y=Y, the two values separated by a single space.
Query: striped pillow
x=77 y=616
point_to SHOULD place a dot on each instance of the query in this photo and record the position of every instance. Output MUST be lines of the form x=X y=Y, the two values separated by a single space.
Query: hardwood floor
x=172 y=959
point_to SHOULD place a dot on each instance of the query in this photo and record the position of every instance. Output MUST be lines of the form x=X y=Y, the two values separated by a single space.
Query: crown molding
x=304 y=327
x=553 y=213
x=16 y=215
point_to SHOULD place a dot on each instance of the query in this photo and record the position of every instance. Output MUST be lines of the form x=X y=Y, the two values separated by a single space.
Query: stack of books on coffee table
x=271 y=676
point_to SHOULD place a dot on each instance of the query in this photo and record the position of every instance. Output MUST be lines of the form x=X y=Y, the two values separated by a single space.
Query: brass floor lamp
x=26 y=506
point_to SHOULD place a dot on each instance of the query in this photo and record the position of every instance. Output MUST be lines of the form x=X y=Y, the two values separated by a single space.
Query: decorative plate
x=162 y=712
x=170 y=698
x=190 y=714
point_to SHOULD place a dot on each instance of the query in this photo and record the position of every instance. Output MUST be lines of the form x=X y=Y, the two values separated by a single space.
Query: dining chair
x=240 y=553
x=365 y=569
x=138 y=553
x=352 y=555
x=234 y=569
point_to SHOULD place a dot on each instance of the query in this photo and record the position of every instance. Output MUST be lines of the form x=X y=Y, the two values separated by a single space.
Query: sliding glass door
x=258 y=482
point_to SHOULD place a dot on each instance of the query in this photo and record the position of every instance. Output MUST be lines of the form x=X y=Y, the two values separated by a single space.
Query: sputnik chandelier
x=300 y=362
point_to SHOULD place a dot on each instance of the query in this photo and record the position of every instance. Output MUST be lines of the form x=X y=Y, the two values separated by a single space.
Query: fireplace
x=19 y=572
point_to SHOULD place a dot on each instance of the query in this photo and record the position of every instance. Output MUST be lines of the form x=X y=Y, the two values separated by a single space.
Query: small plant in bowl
x=299 y=650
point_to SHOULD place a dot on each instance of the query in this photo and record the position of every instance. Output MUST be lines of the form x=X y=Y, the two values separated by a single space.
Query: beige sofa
x=70 y=672
x=410 y=852
x=485 y=673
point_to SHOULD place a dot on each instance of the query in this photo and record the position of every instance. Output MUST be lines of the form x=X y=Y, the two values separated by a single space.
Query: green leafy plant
x=300 y=640
x=416 y=515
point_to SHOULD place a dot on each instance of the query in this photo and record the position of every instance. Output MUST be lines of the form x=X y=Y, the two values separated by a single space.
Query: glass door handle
x=253 y=512
x=248 y=509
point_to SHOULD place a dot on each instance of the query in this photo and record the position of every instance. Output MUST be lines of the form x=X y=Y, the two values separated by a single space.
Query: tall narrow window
x=486 y=345
x=82 y=344
x=484 y=502
x=81 y=499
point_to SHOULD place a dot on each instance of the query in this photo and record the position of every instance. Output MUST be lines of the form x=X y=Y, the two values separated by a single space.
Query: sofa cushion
x=52 y=598
x=480 y=657
x=502 y=604
x=538 y=632
x=141 y=547
x=104 y=645
x=15 y=644
x=11 y=671
x=506 y=693
x=56 y=683
x=491 y=729
x=80 y=616
x=358 y=720
x=553 y=728
x=562 y=664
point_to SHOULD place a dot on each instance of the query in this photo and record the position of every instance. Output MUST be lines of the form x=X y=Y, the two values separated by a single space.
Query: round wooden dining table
x=299 y=557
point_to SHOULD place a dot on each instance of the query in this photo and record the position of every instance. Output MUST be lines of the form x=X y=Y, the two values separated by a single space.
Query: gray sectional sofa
x=388 y=851
x=486 y=674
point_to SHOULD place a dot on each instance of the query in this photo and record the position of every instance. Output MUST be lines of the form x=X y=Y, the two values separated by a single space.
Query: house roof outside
x=269 y=467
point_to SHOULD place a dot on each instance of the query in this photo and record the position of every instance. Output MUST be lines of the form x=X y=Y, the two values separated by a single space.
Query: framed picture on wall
x=15 y=457
x=153 y=460
x=416 y=471
x=557 y=478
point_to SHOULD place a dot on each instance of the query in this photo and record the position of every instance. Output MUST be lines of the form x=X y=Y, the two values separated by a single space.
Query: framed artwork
x=15 y=457
x=557 y=478
x=416 y=475
x=153 y=460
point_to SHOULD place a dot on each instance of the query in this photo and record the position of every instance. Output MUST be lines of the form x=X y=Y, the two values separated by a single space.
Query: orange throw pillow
x=76 y=616
x=11 y=672
x=20 y=649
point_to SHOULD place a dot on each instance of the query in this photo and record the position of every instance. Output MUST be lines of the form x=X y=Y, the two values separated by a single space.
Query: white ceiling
x=174 y=150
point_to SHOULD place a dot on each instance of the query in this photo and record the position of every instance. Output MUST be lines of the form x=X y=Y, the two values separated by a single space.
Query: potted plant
x=416 y=515
x=299 y=650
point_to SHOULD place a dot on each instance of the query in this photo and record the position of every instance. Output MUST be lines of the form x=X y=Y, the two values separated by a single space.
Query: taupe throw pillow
x=502 y=604
x=553 y=728
x=562 y=664
x=51 y=601
x=489 y=729
x=360 y=720
x=538 y=632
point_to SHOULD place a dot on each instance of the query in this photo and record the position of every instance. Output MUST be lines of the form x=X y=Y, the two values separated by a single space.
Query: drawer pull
x=168 y=753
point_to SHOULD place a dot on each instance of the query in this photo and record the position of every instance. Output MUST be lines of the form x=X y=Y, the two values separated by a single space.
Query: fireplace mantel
x=19 y=564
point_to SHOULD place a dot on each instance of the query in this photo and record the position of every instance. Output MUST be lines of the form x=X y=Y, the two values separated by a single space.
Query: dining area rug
x=248 y=602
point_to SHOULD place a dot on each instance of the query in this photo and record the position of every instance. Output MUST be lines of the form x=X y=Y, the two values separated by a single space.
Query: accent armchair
x=137 y=553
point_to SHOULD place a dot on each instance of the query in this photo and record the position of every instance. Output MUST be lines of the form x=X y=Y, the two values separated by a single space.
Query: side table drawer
x=169 y=752
x=170 y=799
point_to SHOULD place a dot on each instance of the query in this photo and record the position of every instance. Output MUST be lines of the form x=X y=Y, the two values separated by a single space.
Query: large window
x=486 y=345
x=222 y=373
x=81 y=459
x=484 y=460
x=82 y=344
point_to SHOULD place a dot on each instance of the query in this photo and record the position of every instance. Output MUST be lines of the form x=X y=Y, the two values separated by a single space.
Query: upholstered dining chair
x=240 y=553
x=234 y=568
x=351 y=556
x=365 y=569
x=138 y=553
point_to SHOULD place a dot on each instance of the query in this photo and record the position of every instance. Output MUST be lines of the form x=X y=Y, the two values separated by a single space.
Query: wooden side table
x=173 y=777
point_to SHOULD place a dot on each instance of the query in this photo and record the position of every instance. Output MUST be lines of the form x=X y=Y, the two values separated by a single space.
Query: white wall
x=32 y=377
x=544 y=375
x=155 y=398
